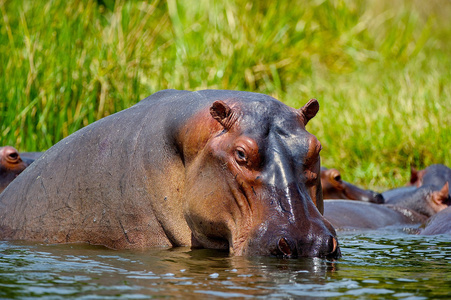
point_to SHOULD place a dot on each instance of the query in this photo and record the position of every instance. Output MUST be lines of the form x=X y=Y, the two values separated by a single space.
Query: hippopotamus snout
x=326 y=246
x=364 y=195
x=378 y=198
x=317 y=239
x=334 y=187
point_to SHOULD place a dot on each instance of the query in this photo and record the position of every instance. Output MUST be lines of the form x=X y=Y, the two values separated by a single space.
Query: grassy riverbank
x=380 y=69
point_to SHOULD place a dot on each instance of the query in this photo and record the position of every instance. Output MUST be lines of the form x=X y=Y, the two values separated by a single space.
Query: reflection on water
x=388 y=265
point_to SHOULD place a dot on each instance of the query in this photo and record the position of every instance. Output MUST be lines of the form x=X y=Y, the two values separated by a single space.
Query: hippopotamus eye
x=12 y=157
x=240 y=155
x=334 y=175
x=337 y=178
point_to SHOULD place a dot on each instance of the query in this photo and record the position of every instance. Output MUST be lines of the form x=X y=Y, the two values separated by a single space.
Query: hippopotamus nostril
x=333 y=248
x=334 y=245
x=284 y=247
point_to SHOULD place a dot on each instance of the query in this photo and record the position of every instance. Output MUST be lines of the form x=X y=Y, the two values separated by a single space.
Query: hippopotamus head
x=437 y=175
x=426 y=200
x=255 y=187
x=334 y=187
x=11 y=165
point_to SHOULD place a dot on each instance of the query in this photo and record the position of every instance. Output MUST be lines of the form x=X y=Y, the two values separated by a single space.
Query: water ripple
x=397 y=266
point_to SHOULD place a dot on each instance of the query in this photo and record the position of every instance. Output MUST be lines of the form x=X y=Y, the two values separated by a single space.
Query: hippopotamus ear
x=413 y=175
x=222 y=113
x=309 y=110
x=442 y=196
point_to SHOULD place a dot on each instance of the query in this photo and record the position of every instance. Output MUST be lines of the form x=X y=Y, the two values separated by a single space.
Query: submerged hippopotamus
x=11 y=165
x=357 y=215
x=426 y=199
x=335 y=188
x=437 y=175
x=407 y=208
x=214 y=169
x=440 y=223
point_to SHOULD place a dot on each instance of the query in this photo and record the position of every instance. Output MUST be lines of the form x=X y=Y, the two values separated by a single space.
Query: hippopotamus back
x=357 y=215
x=440 y=223
x=403 y=208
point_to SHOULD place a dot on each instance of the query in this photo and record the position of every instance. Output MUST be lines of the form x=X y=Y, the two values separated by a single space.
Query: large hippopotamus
x=11 y=165
x=406 y=209
x=440 y=223
x=334 y=187
x=215 y=169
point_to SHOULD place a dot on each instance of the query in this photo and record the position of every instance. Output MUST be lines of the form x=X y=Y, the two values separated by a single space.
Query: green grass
x=380 y=69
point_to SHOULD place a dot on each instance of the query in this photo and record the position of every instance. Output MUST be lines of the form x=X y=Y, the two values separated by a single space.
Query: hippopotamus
x=412 y=207
x=440 y=223
x=426 y=199
x=11 y=165
x=212 y=169
x=335 y=188
x=358 y=215
x=437 y=175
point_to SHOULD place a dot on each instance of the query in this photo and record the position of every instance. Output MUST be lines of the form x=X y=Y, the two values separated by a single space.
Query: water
x=387 y=265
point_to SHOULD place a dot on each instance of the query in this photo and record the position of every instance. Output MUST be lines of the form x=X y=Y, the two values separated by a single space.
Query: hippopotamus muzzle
x=299 y=231
x=335 y=188
x=294 y=244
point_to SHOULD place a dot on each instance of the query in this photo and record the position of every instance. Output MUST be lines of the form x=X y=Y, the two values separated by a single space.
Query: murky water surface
x=388 y=265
